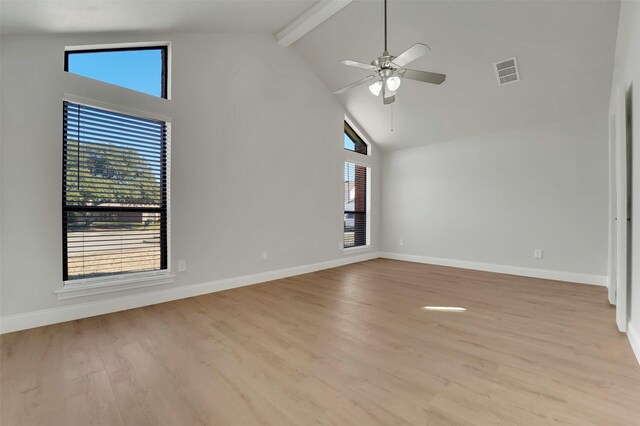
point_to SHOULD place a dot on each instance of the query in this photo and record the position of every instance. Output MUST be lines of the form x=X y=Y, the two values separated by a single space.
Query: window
x=353 y=142
x=143 y=69
x=355 y=205
x=114 y=193
x=356 y=191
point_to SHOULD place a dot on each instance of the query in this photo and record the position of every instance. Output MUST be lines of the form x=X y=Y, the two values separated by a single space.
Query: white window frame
x=364 y=161
x=127 y=281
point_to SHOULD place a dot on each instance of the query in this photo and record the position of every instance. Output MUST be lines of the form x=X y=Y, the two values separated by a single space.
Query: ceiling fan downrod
x=386 y=52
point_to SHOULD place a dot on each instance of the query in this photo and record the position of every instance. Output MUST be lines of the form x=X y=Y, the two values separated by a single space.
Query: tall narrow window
x=114 y=193
x=355 y=205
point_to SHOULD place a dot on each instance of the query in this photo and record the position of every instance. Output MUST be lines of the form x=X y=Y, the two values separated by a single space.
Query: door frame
x=613 y=210
x=622 y=238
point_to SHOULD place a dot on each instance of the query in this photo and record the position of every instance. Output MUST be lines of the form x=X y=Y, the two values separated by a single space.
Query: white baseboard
x=10 y=323
x=634 y=339
x=28 y=320
x=503 y=269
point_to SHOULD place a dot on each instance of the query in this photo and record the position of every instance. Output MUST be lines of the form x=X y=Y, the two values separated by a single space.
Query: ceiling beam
x=319 y=12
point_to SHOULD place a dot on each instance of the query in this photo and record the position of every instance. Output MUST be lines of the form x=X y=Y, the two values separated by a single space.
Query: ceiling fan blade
x=350 y=63
x=411 y=54
x=354 y=84
x=424 y=76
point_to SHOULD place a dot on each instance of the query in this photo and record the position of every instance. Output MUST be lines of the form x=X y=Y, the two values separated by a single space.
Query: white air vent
x=507 y=71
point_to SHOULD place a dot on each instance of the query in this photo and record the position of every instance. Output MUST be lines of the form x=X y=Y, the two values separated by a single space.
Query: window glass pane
x=348 y=143
x=112 y=159
x=355 y=205
x=140 y=69
x=353 y=141
x=114 y=242
x=114 y=197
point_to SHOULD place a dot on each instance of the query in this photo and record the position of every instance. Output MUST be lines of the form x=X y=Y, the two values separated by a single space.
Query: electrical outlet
x=401 y=243
x=182 y=265
x=265 y=255
x=537 y=253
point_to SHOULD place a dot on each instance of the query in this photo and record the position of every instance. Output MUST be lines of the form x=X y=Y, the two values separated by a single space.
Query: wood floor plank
x=345 y=346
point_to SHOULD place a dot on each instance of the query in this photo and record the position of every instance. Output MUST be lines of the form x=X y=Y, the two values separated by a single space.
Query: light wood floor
x=347 y=346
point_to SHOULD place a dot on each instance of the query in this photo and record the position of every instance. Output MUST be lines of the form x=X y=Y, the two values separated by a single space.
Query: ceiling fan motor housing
x=385 y=61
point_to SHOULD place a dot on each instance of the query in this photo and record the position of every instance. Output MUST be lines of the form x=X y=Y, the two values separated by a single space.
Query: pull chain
x=391 y=118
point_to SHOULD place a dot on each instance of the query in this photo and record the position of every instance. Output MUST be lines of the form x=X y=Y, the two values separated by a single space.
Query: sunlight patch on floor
x=444 y=308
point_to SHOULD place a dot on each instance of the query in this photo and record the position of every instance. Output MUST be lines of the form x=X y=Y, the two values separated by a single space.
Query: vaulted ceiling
x=565 y=52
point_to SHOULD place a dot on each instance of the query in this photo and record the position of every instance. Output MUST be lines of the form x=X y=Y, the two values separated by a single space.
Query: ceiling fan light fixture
x=375 y=88
x=393 y=83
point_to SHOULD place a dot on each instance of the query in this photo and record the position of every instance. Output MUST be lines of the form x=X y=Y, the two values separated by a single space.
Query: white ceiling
x=76 y=16
x=565 y=51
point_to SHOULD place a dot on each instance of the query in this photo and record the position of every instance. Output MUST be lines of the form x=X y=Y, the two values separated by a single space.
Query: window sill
x=90 y=287
x=356 y=249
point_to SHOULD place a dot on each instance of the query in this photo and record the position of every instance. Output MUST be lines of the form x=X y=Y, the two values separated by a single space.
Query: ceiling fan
x=388 y=71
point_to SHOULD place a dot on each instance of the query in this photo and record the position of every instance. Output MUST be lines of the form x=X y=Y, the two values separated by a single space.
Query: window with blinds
x=114 y=193
x=355 y=205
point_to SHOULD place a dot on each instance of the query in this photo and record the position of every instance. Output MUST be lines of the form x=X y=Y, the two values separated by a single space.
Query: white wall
x=495 y=198
x=257 y=160
x=627 y=70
